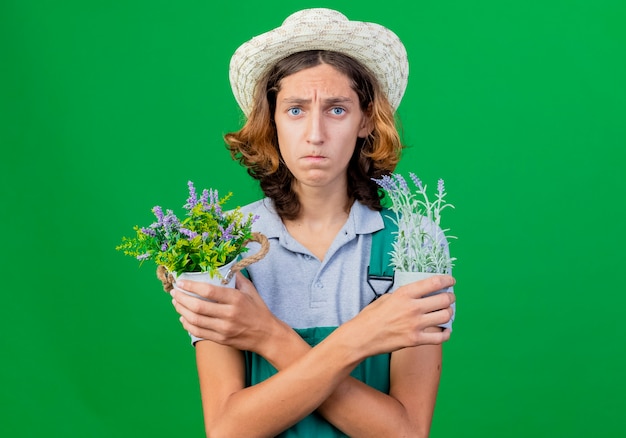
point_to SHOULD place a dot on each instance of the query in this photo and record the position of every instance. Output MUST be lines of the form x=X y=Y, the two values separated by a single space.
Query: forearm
x=274 y=405
x=361 y=411
x=353 y=407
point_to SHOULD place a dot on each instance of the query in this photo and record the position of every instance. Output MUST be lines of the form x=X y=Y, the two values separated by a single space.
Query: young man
x=297 y=349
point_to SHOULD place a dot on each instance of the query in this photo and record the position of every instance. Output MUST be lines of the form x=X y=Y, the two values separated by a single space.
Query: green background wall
x=108 y=108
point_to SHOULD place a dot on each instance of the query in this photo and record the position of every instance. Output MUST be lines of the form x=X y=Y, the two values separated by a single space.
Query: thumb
x=243 y=284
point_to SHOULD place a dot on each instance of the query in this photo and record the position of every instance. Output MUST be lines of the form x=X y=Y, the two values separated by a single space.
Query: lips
x=314 y=158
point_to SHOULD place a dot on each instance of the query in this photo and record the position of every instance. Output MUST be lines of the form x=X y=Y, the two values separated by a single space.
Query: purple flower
x=158 y=212
x=204 y=199
x=440 y=188
x=416 y=181
x=402 y=182
x=148 y=232
x=214 y=200
x=170 y=223
x=386 y=182
x=227 y=233
x=170 y=219
x=164 y=247
x=193 y=198
x=143 y=256
x=190 y=234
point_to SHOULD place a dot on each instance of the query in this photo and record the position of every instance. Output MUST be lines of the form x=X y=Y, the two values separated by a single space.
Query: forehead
x=320 y=78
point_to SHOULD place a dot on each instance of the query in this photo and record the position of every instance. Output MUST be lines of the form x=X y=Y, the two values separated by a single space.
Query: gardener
x=319 y=94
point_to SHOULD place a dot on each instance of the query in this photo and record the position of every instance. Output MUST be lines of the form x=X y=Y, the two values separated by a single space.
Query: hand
x=235 y=317
x=407 y=318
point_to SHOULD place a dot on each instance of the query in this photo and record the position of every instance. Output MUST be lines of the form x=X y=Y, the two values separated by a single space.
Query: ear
x=367 y=124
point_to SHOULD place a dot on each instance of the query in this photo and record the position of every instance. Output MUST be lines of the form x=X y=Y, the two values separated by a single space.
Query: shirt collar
x=365 y=220
x=362 y=220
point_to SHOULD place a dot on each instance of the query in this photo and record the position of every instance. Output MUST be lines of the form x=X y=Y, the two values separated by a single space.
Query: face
x=318 y=120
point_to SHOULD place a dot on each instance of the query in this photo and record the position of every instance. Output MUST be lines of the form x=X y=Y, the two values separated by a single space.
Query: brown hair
x=255 y=145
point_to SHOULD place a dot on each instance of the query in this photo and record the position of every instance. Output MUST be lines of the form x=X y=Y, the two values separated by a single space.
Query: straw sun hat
x=371 y=44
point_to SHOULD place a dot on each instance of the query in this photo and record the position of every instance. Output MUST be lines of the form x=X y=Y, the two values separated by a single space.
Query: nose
x=315 y=127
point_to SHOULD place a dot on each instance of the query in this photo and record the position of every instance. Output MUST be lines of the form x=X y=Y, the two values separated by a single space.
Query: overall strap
x=380 y=268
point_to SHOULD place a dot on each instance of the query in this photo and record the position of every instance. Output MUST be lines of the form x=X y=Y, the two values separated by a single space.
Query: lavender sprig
x=421 y=245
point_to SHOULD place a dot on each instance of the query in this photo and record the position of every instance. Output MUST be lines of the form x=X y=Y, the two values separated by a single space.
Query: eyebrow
x=328 y=101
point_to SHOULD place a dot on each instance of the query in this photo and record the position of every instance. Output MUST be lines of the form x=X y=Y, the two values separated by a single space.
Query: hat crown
x=314 y=15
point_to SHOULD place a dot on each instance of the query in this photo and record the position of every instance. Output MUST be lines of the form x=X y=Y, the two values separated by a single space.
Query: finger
x=433 y=303
x=198 y=320
x=436 y=337
x=205 y=290
x=216 y=329
x=243 y=284
x=199 y=317
x=188 y=306
x=442 y=336
x=204 y=319
x=429 y=285
x=437 y=318
x=199 y=332
x=184 y=298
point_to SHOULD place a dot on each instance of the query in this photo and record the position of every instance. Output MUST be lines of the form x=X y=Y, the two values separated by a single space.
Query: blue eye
x=294 y=111
x=338 y=111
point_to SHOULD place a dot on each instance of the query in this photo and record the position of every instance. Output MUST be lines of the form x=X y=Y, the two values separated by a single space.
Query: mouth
x=314 y=157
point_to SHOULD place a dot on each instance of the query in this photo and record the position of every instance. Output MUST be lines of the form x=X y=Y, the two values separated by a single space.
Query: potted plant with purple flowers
x=420 y=248
x=203 y=246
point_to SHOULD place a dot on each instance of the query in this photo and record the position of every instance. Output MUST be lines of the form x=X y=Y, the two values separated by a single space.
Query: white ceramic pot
x=402 y=278
x=205 y=277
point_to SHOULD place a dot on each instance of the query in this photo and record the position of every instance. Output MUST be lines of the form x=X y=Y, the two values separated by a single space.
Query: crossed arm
x=317 y=378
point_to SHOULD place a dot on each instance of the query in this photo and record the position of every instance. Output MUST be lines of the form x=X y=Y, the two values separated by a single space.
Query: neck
x=322 y=214
x=320 y=206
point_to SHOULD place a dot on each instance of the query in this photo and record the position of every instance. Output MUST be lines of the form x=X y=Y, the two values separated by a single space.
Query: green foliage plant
x=204 y=240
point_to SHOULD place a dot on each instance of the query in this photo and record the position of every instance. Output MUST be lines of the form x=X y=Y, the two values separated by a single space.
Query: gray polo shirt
x=300 y=289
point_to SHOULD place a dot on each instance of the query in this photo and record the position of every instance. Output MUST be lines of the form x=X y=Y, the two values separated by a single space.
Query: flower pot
x=402 y=278
x=205 y=277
